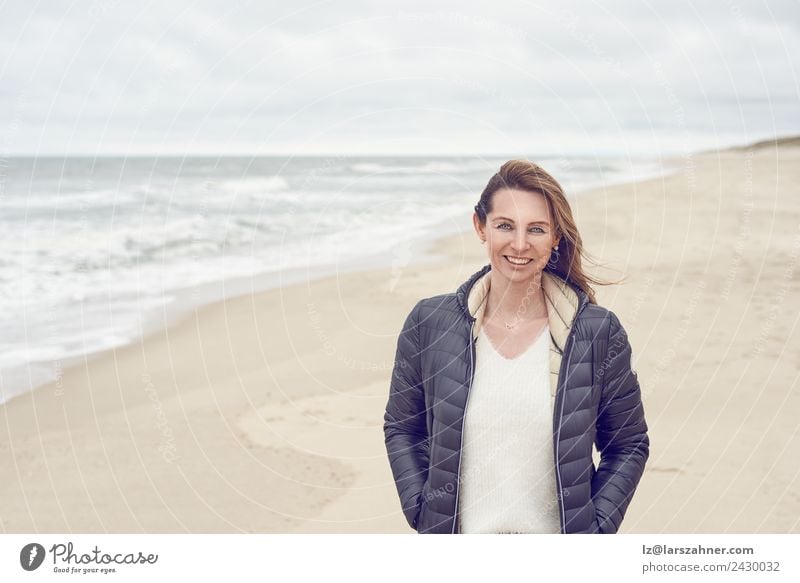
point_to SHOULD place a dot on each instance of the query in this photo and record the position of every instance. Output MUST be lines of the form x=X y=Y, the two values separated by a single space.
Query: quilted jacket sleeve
x=621 y=436
x=405 y=427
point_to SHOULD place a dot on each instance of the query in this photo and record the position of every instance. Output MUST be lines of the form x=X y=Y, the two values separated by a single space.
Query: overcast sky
x=242 y=77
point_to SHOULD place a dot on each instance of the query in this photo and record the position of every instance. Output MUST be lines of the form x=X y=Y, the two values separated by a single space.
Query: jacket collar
x=562 y=299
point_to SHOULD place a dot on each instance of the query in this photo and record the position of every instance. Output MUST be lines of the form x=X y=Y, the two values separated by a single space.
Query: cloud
x=239 y=76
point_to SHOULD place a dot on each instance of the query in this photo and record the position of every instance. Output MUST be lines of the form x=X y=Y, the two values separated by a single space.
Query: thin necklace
x=510 y=325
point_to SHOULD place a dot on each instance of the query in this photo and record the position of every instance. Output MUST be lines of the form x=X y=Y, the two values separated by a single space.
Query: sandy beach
x=264 y=412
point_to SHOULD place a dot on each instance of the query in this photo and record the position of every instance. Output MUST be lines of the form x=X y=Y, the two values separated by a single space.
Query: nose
x=520 y=242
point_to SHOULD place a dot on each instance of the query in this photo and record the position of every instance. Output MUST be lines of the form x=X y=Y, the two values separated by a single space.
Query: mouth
x=518 y=261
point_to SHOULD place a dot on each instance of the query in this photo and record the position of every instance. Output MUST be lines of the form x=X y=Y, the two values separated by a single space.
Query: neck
x=522 y=300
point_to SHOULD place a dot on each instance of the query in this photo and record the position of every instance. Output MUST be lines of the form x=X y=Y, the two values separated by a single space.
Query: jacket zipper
x=463 y=419
x=567 y=345
x=557 y=422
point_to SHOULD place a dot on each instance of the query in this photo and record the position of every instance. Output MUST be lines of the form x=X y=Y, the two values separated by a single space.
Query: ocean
x=95 y=251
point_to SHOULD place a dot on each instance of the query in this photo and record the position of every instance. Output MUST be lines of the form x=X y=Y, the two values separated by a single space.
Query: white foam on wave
x=73 y=285
x=65 y=200
x=432 y=167
x=255 y=184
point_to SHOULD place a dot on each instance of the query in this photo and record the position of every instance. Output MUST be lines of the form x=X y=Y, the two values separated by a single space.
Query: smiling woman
x=519 y=458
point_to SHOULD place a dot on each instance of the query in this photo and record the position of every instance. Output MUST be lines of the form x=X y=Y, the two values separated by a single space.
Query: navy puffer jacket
x=595 y=399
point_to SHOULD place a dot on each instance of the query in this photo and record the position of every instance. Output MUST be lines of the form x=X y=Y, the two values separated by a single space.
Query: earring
x=554 y=262
x=483 y=241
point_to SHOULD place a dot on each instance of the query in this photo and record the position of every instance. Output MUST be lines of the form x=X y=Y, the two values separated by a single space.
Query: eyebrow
x=531 y=223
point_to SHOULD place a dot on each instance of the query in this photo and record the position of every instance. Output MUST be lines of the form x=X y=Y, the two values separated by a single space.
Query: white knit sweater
x=507 y=473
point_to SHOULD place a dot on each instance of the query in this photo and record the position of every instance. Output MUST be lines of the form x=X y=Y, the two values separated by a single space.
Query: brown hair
x=529 y=176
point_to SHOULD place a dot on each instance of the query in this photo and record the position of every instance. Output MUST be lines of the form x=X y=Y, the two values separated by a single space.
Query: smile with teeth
x=518 y=260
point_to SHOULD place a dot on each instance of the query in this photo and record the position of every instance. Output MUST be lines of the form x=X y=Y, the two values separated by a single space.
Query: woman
x=546 y=373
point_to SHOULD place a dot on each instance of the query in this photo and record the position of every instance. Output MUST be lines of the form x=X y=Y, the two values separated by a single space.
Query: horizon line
x=789 y=138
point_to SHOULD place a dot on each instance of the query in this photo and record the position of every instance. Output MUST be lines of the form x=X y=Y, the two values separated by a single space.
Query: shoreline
x=263 y=412
x=189 y=299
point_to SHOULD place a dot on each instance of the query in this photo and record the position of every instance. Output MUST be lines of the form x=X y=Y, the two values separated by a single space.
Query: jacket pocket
x=603 y=526
x=418 y=522
x=421 y=506
x=595 y=528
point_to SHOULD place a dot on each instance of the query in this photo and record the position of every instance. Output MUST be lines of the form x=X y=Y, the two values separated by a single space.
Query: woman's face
x=519 y=227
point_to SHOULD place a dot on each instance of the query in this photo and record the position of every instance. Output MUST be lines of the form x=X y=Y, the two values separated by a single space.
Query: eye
x=539 y=231
x=501 y=225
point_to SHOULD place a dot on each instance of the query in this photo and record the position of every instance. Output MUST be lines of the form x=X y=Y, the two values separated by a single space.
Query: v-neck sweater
x=507 y=478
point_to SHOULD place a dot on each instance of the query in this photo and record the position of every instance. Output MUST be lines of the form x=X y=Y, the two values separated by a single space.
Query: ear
x=479 y=229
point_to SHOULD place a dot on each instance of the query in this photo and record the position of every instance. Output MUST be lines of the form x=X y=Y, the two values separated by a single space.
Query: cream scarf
x=562 y=304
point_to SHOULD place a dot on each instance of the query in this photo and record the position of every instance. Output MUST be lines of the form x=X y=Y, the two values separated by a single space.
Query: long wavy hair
x=529 y=176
